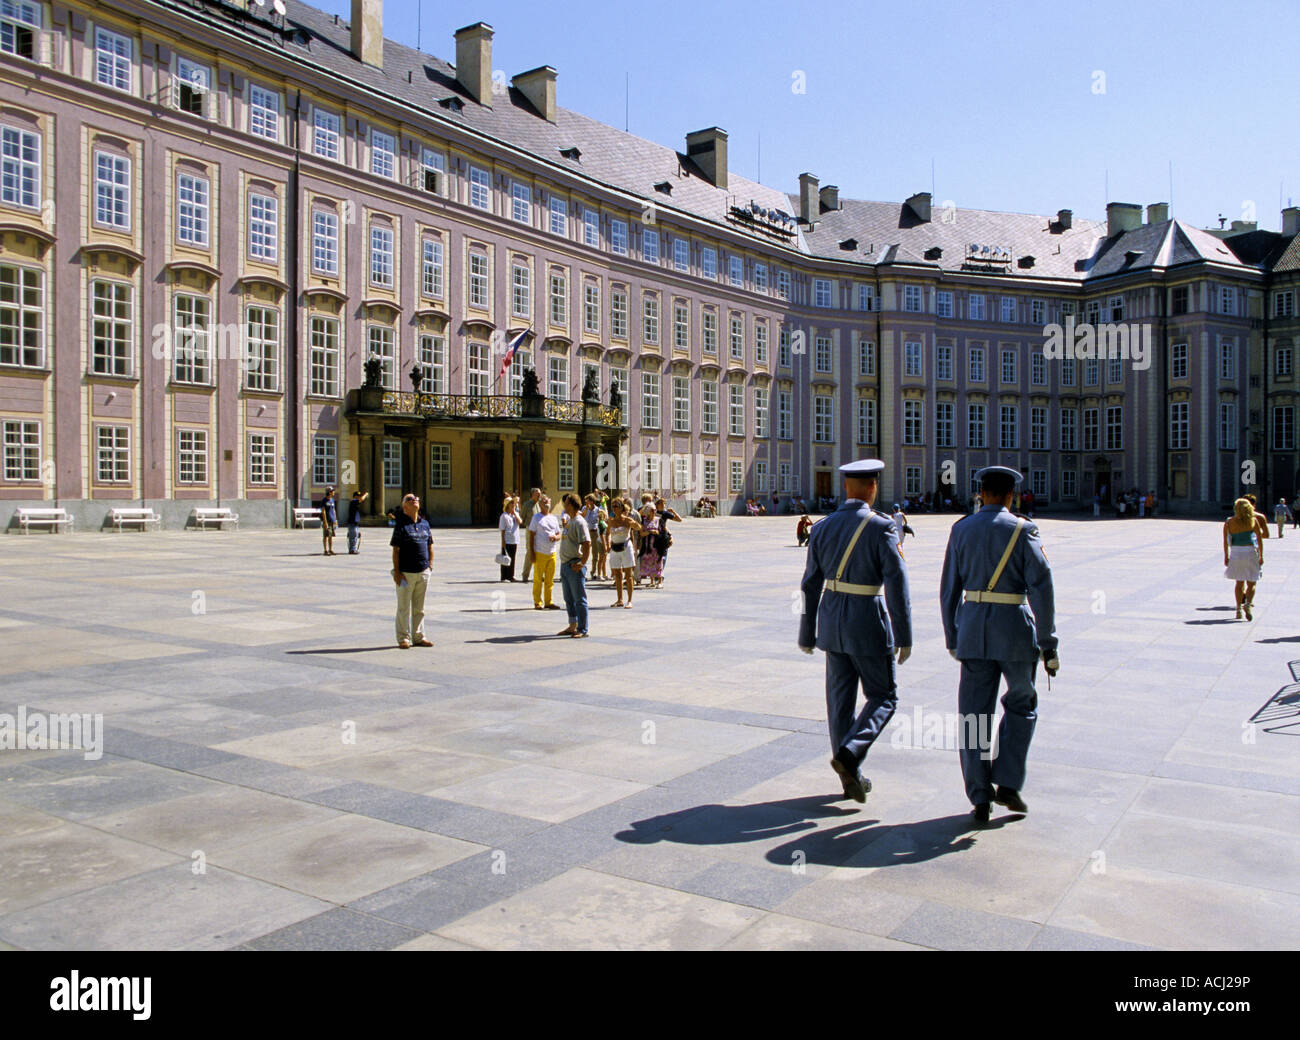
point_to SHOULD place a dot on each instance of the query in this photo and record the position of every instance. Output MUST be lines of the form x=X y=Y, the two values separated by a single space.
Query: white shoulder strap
x=844 y=560
x=1006 y=555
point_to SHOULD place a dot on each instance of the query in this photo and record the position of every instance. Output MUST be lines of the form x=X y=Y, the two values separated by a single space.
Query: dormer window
x=1026 y=261
x=452 y=103
x=933 y=253
x=571 y=153
x=664 y=188
x=849 y=244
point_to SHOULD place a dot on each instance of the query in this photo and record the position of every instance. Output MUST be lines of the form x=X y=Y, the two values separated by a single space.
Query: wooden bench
x=301 y=516
x=51 y=518
x=119 y=518
x=204 y=515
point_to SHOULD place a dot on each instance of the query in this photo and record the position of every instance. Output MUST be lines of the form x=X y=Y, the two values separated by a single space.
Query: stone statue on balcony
x=417 y=377
x=590 y=392
x=532 y=403
x=615 y=397
x=374 y=373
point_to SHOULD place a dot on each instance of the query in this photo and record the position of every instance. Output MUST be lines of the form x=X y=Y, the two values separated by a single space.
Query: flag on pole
x=510 y=352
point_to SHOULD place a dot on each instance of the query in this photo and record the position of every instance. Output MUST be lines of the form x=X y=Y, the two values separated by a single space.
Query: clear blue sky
x=1000 y=95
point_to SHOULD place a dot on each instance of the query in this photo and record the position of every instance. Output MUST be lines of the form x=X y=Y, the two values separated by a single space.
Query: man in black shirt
x=412 y=544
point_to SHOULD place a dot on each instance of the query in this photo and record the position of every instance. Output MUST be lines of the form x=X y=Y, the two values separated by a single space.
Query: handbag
x=502 y=560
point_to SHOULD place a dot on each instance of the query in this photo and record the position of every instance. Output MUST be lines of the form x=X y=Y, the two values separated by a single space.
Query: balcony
x=474 y=408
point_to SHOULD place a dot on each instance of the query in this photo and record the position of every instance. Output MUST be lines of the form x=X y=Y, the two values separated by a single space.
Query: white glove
x=952 y=654
x=807 y=650
x=1051 y=662
x=904 y=652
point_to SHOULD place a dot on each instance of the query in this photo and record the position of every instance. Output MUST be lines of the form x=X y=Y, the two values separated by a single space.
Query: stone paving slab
x=663 y=784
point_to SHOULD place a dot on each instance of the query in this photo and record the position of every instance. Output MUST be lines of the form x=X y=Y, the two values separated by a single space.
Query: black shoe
x=981 y=812
x=856 y=786
x=1011 y=799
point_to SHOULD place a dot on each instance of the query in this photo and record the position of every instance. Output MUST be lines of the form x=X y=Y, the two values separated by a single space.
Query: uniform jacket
x=996 y=631
x=847 y=623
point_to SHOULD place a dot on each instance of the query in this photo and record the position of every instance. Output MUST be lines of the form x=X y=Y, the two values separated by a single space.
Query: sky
x=1024 y=107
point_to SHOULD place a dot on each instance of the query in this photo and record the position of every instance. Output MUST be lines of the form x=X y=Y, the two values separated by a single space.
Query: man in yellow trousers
x=545 y=531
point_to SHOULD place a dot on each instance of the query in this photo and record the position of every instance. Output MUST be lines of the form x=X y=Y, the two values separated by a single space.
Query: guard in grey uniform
x=994 y=575
x=854 y=570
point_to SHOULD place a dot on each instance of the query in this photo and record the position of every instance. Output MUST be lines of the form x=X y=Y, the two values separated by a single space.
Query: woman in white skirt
x=622 y=552
x=1243 y=555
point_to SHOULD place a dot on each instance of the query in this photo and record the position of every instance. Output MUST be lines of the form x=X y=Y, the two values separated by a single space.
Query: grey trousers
x=410 y=606
x=976 y=699
x=855 y=733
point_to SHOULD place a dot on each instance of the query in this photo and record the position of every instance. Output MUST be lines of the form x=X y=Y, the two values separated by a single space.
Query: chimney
x=920 y=205
x=809 y=201
x=1244 y=225
x=830 y=198
x=474 y=61
x=1157 y=212
x=1291 y=220
x=538 y=86
x=368 y=31
x=1065 y=218
x=708 y=150
x=1122 y=216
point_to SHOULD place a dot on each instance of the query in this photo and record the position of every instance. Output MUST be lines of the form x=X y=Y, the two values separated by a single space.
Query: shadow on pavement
x=346 y=649
x=859 y=835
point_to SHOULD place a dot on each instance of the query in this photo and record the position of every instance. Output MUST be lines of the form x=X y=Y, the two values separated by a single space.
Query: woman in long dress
x=652 y=564
x=1243 y=555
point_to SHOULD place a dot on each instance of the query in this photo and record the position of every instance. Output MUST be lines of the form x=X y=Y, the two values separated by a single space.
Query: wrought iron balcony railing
x=471 y=406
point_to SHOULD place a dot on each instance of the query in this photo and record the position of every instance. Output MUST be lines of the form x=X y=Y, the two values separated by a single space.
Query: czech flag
x=510 y=353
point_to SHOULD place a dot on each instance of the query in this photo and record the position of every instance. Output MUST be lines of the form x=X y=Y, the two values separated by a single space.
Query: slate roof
x=885 y=232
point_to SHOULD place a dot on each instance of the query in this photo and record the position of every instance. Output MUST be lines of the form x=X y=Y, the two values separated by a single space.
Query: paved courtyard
x=276 y=774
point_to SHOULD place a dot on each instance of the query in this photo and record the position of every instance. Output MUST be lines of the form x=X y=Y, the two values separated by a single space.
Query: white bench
x=204 y=515
x=52 y=518
x=301 y=516
x=144 y=517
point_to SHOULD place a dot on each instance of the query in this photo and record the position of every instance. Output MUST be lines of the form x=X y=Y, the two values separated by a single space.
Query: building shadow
x=859 y=836
x=1281 y=712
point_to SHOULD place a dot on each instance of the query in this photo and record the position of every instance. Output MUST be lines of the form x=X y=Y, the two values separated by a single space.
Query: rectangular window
x=1037 y=428
x=618 y=377
x=262 y=361
x=113 y=53
x=736 y=410
x=591 y=228
x=783 y=284
x=380 y=343
x=787 y=480
x=762 y=421
x=1091 y=372
x=480 y=189
x=1010 y=427
x=1180 y=300
x=650 y=400
x=866 y=420
x=1114 y=370
x=22 y=316
x=392 y=460
x=1284 y=428
x=20 y=167
x=822 y=353
x=1115 y=307
x=710 y=476
x=263 y=112
x=324 y=461
x=324 y=361
x=113 y=454
x=975 y=306
x=866 y=297
x=1037 y=312
x=112 y=190
x=1067 y=371
x=435 y=172
x=912 y=298
x=1037 y=369
x=1069 y=426
x=478 y=370
x=784 y=415
x=760 y=343
x=912 y=358
x=1069 y=483
x=681 y=404
x=263 y=228
x=783 y=349
x=1009 y=366
x=650 y=319
x=976 y=426
x=650 y=246
x=591 y=308
x=325 y=243
x=943 y=368
x=521 y=202
x=618 y=237
x=1227 y=300
x=1008 y=309
x=112 y=338
x=22 y=450
x=1038 y=482
x=326 y=134
x=521 y=290
x=1282 y=361
x=559 y=217
x=821 y=292
x=1178 y=426
x=709 y=262
x=737 y=476
x=681 y=327
x=381 y=257
x=943 y=425
x=19 y=23
x=760 y=278
x=709 y=407
x=440 y=466
x=913 y=422
x=1228 y=359
x=383 y=154
x=566 y=469
x=977 y=364
x=519 y=363
x=912 y=480
x=192 y=353
x=431 y=271
x=1284 y=304
x=681 y=254
x=737 y=338
x=559 y=298
x=1178 y=361
x=760 y=476
x=1227 y=426
x=709 y=332
x=943 y=303
x=618 y=314
x=479 y=281
x=192 y=210
x=1091 y=438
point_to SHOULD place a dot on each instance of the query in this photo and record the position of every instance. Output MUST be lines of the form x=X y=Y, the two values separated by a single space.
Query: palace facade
x=213 y=214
